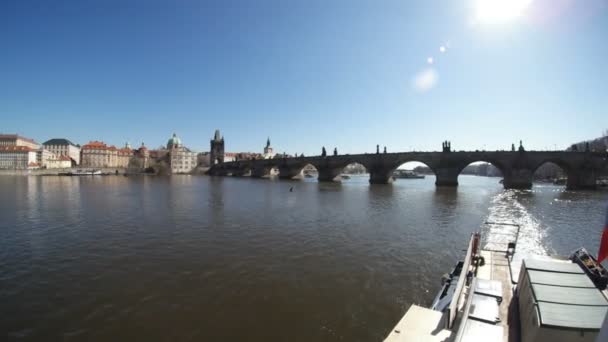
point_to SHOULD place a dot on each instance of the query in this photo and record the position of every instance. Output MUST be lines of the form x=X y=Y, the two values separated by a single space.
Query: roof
x=553 y=266
x=15 y=149
x=65 y=158
x=16 y=136
x=564 y=295
x=58 y=141
x=572 y=316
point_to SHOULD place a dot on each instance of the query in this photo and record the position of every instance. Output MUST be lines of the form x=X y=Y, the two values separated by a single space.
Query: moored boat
x=406 y=174
x=82 y=173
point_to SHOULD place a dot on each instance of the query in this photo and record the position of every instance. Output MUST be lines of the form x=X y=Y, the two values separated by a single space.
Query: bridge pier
x=446 y=176
x=381 y=176
x=287 y=172
x=584 y=179
x=241 y=172
x=329 y=174
x=260 y=172
x=517 y=179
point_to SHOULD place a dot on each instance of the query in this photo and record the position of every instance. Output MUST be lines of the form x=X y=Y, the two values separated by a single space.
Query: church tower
x=268 y=150
x=217 y=149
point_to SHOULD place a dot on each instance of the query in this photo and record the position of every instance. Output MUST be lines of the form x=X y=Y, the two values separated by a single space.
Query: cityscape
x=57 y=156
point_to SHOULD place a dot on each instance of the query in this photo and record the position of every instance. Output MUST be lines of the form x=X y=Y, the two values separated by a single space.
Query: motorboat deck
x=557 y=300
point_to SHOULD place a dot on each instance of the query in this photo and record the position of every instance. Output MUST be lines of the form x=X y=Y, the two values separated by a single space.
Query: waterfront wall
x=54 y=172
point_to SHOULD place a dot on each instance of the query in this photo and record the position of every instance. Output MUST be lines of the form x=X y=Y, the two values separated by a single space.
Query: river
x=193 y=258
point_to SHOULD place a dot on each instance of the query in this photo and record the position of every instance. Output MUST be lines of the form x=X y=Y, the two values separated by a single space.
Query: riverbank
x=104 y=171
x=56 y=172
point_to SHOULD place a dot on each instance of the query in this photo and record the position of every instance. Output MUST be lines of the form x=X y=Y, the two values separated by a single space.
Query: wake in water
x=506 y=208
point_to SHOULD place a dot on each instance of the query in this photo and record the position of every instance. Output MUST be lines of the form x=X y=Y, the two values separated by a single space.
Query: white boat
x=497 y=294
x=407 y=174
x=84 y=173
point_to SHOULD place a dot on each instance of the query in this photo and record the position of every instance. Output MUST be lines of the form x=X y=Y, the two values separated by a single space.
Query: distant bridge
x=517 y=167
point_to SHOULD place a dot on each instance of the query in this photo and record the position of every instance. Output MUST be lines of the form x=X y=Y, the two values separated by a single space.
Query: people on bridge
x=335 y=151
x=323 y=152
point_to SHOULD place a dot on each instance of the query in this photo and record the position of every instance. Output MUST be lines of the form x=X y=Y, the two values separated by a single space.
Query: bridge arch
x=417 y=167
x=554 y=170
x=476 y=166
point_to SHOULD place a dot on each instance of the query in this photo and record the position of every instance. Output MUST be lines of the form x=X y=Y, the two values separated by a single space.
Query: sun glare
x=499 y=11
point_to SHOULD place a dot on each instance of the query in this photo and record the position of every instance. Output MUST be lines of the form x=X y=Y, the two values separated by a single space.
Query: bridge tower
x=217 y=149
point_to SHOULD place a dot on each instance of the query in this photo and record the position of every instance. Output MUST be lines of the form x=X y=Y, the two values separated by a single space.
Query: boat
x=559 y=181
x=344 y=176
x=499 y=294
x=82 y=173
x=406 y=174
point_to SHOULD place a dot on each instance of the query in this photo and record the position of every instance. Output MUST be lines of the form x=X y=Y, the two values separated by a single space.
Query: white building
x=18 y=158
x=58 y=162
x=17 y=140
x=64 y=147
x=181 y=159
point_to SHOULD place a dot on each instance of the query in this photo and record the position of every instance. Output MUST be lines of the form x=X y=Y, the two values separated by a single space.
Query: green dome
x=174 y=141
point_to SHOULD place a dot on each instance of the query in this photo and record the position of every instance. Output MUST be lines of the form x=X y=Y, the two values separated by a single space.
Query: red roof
x=98 y=145
x=15 y=149
x=66 y=158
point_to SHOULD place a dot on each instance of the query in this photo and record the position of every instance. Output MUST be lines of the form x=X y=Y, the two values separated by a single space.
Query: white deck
x=420 y=324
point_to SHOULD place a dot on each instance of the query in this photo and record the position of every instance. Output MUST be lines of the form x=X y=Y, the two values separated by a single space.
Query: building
x=141 y=158
x=43 y=156
x=181 y=159
x=268 y=151
x=18 y=157
x=58 y=162
x=217 y=149
x=17 y=140
x=64 y=147
x=18 y=153
x=98 y=154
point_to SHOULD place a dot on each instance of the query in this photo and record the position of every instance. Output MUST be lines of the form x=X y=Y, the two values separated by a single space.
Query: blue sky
x=306 y=73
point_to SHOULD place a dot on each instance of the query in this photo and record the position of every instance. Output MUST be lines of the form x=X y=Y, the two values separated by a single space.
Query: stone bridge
x=517 y=167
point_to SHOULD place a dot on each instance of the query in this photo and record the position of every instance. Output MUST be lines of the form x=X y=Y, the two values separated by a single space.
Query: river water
x=238 y=259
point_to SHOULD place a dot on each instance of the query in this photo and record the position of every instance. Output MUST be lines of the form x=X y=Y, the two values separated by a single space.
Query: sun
x=500 y=11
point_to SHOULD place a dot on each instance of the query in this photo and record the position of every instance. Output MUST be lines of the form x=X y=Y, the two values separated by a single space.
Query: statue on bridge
x=323 y=152
x=512 y=147
x=377 y=149
x=335 y=151
x=384 y=149
x=446 y=146
x=521 y=147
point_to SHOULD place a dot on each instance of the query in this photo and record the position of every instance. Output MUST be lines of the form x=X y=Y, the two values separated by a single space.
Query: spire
x=268 y=142
x=217 y=135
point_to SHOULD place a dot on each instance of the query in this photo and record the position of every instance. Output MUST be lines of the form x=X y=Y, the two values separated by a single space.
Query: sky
x=343 y=73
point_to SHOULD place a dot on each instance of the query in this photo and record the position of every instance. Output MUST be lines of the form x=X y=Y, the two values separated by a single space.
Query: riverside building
x=17 y=140
x=181 y=159
x=98 y=154
x=64 y=147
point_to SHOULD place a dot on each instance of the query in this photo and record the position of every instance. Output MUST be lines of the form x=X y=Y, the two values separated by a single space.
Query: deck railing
x=462 y=279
